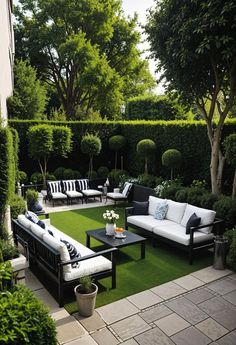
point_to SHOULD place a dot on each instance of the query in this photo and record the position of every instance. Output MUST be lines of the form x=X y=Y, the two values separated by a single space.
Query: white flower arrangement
x=110 y=216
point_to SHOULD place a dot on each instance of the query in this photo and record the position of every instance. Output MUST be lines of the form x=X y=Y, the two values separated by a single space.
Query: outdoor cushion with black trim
x=140 y=207
x=42 y=224
x=73 y=252
x=32 y=217
x=194 y=220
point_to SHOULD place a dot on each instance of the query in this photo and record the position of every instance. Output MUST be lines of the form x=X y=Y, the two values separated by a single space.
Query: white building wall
x=6 y=55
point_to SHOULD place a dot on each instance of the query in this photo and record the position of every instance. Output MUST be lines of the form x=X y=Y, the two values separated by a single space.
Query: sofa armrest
x=86 y=257
x=217 y=223
x=128 y=212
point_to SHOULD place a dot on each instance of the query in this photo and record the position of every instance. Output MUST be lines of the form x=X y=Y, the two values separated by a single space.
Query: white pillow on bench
x=153 y=202
x=175 y=211
x=207 y=217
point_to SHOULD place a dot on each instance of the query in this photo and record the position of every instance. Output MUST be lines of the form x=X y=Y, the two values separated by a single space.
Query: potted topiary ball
x=86 y=293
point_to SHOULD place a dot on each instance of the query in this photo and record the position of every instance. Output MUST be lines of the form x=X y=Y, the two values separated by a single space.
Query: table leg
x=143 y=250
x=87 y=241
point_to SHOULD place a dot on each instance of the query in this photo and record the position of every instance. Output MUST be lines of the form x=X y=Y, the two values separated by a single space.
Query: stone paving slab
x=144 y=299
x=227 y=318
x=210 y=274
x=87 y=340
x=199 y=296
x=130 y=342
x=223 y=287
x=231 y=297
x=47 y=300
x=68 y=328
x=189 y=282
x=188 y=310
x=31 y=281
x=130 y=327
x=168 y=290
x=104 y=337
x=212 y=329
x=215 y=305
x=91 y=323
x=190 y=336
x=117 y=311
x=155 y=313
x=154 y=337
x=229 y=339
x=172 y=324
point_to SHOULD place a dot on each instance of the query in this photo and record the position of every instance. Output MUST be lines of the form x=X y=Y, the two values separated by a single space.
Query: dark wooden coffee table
x=112 y=241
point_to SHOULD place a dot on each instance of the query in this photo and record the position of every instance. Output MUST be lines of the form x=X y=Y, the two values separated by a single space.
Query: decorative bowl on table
x=120 y=233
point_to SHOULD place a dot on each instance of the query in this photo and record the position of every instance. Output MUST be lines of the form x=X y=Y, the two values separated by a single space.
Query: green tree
x=91 y=145
x=172 y=159
x=230 y=155
x=29 y=95
x=45 y=141
x=116 y=143
x=86 y=50
x=146 y=148
x=193 y=42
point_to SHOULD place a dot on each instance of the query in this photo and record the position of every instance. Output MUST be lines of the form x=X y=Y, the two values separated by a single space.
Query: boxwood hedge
x=189 y=137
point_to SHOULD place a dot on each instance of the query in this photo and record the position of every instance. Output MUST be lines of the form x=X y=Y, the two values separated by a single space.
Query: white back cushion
x=55 y=186
x=61 y=247
x=175 y=211
x=153 y=201
x=207 y=217
x=24 y=221
x=37 y=230
x=83 y=184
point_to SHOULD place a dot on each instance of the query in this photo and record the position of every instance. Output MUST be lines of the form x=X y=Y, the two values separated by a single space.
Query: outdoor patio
x=199 y=308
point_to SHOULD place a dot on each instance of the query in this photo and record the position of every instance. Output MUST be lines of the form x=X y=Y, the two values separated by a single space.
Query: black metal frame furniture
x=55 y=192
x=69 y=187
x=84 y=188
x=191 y=248
x=120 y=196
x=40 y=253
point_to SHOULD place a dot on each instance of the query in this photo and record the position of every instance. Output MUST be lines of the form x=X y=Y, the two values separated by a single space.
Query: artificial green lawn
x=162 y=264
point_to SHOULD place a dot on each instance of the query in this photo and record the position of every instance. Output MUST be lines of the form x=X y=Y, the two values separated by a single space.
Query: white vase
x=110 y=229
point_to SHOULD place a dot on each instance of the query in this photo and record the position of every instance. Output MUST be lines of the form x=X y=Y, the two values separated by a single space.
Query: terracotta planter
x=86 y=301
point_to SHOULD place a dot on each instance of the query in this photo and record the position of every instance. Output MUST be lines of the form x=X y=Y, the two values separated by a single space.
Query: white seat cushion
x=59 y=195
x=24 y=221
x=147 y=222
x=113 y=195
x=86 y=267
x=61 y=248
x=177 y=233
x=175 y=211
x=207 y=217
x=73 y=194
x=153 y=202
x=91 y=192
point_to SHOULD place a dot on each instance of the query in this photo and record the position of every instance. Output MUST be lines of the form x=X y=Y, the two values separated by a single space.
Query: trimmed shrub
x=195 y=195
x=147 y=180
x=31 y=198
x=18 y=206
x=182 y=194
x=225 y=209
x=208 y=200
x=172 y=159
x=117 y=174
x=103 y=172
x=91 y=145
x=146 y=149
x=231 y=255
x=22 y=177
x=24 y=319
x=171 y=189
x=92 y=175
x=59 y=173
x=116 y=143
x=70 y=174
x=8 y=249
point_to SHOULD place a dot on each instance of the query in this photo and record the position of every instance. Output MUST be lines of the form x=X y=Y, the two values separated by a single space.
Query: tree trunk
x=115 y=160
x=234 y=186
x=146 y=166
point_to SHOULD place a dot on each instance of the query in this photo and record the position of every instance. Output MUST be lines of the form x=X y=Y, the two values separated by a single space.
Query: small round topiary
x=59 y=173
x=172 y=159
x=116 y=143
x=103 y=172
x=91 y=145
x=146 y=148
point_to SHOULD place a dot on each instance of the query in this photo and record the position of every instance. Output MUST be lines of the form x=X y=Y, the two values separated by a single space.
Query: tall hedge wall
x=7 y=167
x=188 y=137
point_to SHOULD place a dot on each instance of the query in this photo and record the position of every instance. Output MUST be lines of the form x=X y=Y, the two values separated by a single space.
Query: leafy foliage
x=230 y=156
x=194 y=45
x=91 y=145
x=29 y=95
x=24 y=319
x=146 y=148
x=152 y=107
x=225 y=208
x=231 y=255
x=117 y=143
x=172 y=158
x=85 y=51
x=18 y=206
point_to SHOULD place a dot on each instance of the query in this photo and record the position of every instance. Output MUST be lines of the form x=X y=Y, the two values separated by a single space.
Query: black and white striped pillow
x=74 y=254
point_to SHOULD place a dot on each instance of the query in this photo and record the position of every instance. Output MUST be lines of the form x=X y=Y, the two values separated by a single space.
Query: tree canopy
x=193 y=42
x=29 y=95
x=85 y=49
